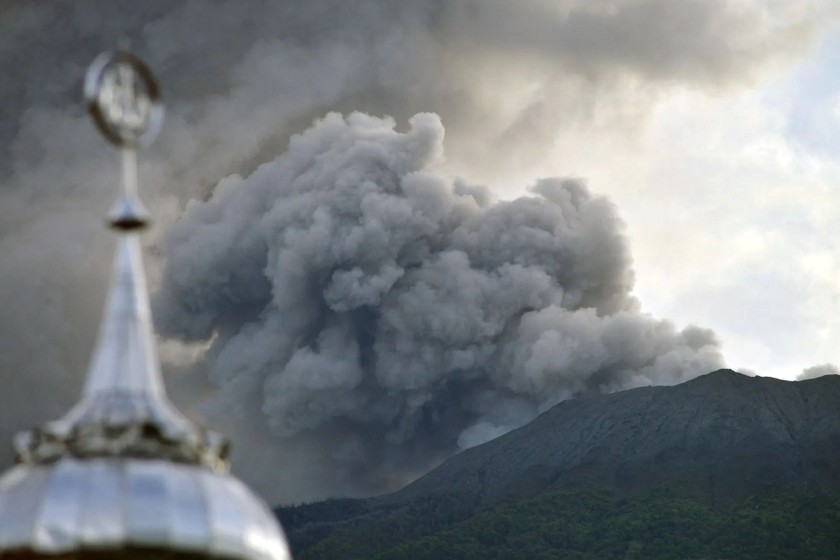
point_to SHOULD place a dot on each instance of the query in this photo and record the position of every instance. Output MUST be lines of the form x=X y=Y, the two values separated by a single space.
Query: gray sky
x=711 y=126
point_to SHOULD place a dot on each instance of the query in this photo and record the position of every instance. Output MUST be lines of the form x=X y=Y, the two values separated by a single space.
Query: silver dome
x=123 y=473
x=77 y=506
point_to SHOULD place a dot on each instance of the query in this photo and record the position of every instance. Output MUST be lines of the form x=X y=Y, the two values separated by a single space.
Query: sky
x=639 y=190
x=733 y=223
x=759 y=209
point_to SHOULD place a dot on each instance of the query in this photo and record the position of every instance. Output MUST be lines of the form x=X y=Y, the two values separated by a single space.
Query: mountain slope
x=724 y=431
x=723 y=440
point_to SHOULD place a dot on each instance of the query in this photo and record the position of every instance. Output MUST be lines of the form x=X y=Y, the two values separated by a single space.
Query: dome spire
x=124 y=471
x=124 y=410
x=123 y=99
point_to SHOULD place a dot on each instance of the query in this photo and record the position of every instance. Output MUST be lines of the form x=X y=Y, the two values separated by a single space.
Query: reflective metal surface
x=113 y=504
x=123 y=473
x=123 y=98
x=124 y=410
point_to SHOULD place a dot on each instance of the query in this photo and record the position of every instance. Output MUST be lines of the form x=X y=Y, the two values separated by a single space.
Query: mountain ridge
x=721 y=437
x=756 y=414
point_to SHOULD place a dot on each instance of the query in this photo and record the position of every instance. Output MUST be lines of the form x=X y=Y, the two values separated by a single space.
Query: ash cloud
x=818 y=371
x=353 y=295
x=241 y=77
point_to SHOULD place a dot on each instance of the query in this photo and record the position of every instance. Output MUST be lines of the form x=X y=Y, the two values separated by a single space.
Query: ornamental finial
x=123 y=474
x=123 y=98
x=124 y=411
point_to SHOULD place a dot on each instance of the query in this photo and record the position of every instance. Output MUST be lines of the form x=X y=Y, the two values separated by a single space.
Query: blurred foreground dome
x=123 y=473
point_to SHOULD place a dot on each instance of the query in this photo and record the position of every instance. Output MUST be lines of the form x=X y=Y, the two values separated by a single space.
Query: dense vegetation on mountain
x=664 y=524
x=725 y=466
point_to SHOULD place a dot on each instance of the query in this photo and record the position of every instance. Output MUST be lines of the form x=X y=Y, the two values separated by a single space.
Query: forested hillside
x=725 y=466
x=665 y=524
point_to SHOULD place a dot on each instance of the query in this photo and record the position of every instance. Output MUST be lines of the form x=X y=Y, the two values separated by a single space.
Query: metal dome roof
x=123 y=472
x=78 y=506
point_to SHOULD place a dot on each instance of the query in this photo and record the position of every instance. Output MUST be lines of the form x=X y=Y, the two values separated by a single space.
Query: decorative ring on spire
x=124 y=99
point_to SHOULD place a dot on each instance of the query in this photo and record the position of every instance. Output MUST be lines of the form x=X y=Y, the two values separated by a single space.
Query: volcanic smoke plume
x=522 y=86
x=387 y=317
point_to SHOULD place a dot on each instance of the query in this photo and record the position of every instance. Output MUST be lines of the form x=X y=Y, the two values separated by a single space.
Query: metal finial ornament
x=124 y=473
x=123 y=98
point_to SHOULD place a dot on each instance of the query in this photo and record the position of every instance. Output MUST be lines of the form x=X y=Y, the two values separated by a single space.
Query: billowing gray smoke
x=355 y=296
x=508 y=78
